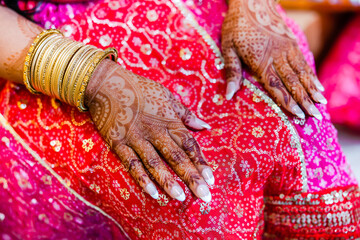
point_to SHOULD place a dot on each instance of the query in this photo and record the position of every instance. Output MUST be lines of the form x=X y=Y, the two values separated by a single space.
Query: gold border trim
x=17 y=137
x=187 y=14
x=209 y=41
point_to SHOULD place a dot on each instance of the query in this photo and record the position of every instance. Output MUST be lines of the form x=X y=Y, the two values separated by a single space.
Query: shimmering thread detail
x=333 y=211
x=285 y=120
x=208 y=39
x=8 y=127
x=203 y=33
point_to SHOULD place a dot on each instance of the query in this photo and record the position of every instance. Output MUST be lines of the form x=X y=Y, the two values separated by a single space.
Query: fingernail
x=298 y=112
x=320 y=98
x=208 y=175
x=315 y=112
x=152 y=191
x=230 y=90
x=177 y=193
x=202 y=123
x=319 y=85
x=203 y=192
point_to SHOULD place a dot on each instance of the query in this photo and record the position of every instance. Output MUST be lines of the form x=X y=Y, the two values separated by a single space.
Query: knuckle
x=190 y=144
x=132 y=164
x=154 y=162
x=141 y=178
x=178 y=156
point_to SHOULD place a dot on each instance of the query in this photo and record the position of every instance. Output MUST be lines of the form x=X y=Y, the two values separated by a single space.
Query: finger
x=296 y=89
x=308 y=69
x=133 y=164
x=273 y=84
x=181 y=164
x=188 y=143
x=157 y=168
x=306 y=75
x=186 y=116
x=233 y=71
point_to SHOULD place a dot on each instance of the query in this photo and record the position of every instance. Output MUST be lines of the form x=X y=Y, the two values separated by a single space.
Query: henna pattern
x=140 y=118
x=254 y=33
x=15 y=44
x=28 y=28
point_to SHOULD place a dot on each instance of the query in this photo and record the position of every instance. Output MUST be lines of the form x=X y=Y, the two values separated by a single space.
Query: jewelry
x=62 y=68
x=29 y=57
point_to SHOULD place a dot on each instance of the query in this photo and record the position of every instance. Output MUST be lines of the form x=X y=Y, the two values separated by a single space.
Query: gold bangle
x=54 y=64
x=30 y=55
x=70 y=71
x=80 y=73
x=109 y=52
x=62 y=68
x=65 y=58
x=37 y=52
x=45 y=65
x=36 y=81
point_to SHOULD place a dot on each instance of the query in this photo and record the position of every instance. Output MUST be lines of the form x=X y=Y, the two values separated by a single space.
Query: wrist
x=103 y=71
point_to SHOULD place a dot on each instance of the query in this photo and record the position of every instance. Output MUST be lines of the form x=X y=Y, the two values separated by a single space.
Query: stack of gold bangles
x=61 y=68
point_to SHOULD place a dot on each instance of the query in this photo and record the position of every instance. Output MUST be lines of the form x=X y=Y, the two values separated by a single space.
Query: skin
x=140 y=119
x=254 y=33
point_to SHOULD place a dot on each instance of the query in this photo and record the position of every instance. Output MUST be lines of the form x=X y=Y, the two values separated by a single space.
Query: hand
x=253 y=32
x=139 y=118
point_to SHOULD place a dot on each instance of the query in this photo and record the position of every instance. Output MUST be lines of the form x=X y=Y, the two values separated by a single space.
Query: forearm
x=16 y=35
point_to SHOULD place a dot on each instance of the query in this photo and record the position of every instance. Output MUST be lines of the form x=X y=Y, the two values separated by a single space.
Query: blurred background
x=332 y=28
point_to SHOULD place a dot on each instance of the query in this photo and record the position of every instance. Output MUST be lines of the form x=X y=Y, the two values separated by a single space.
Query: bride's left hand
x=254 y=33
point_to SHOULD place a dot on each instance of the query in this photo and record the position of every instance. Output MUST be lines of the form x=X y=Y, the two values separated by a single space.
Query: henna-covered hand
x=254 y=33
x=140 y=119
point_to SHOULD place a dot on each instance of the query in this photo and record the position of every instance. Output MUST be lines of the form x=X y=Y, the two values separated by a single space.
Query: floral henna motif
x=140 y=118
x=254 y=33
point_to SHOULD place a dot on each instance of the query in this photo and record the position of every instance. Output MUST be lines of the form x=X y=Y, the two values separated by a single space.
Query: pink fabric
x=340 y=75
x=35 y=205
x=326 y=165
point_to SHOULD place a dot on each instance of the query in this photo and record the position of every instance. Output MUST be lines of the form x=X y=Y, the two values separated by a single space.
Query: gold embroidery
x=191 y=19
x=8 y=127
x=4 y=182
x=162 y=200
x=257 y=132
x=87 y=144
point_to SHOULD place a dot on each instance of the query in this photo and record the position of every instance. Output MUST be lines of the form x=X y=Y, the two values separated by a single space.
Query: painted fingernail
x=177 y=193
x=315 y=112
x=298 y=112
x=230 y=90
x=319 y=85
x=320 y=98
x=203 y=192
x=152 y=191
x=202 y=123
x=208 y=175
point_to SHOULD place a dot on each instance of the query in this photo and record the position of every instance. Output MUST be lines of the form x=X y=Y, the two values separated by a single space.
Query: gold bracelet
x=36 y=81
x=54 y=64
x=45 y=82
x=65 y=57
x=109 y=52
x=29 y=57
x=78 y=74
x=37 y=52
x=62 y=68
x=69 y=73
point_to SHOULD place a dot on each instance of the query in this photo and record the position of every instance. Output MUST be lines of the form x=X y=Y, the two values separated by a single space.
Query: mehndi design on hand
x=254 y=33
x=140 y=118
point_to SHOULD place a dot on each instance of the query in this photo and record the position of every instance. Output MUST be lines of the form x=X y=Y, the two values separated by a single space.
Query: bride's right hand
x=140 y=118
